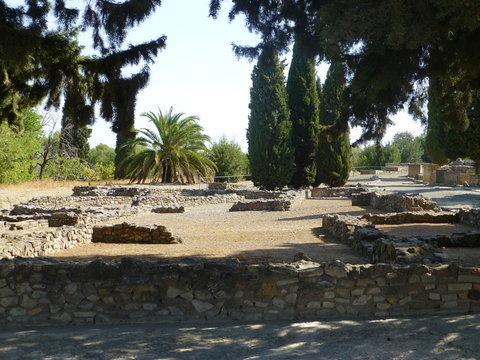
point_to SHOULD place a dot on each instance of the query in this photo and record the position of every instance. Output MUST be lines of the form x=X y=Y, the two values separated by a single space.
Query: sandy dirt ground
x=431 y=338
x=212 y=232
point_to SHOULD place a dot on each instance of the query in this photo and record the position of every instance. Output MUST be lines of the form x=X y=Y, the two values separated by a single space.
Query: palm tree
x=174 y=151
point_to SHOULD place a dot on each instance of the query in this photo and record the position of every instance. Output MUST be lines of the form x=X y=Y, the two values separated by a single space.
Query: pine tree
x=39 y=62
x=392 y=49
x=334 y=152
x=304 y=108
x=268 y=133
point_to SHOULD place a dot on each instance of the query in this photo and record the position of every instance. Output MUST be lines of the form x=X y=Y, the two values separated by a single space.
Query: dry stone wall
x=48 y=292
x=42 y=243
x=132 y=234
x=335 y=191
x=393 y=202
x=378 y=246
x=278 y=203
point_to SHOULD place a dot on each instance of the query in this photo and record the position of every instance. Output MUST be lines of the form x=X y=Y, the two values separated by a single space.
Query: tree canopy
x=390 y=48
x=40 y=60
x=229 y=159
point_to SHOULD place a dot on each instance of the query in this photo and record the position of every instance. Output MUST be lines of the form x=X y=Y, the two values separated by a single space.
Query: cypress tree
x=334 y=152
x=303 y=103
x=268 y=133
x=435 y=138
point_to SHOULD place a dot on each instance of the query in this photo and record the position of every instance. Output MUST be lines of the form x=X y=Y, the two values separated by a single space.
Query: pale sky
x=198 y=74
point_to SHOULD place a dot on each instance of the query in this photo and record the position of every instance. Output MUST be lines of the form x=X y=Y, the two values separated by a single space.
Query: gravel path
x=448 y=197
x=436 y=337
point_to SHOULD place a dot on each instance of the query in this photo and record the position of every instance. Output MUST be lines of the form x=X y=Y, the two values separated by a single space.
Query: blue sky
x=198 y=74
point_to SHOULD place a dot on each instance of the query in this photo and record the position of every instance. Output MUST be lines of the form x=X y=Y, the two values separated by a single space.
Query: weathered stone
x=362 y=300
x=9 y=301
x=459 y=287
x=336 y=270
x=201 y=306
x=278 y=303
x=17 y=312
x=6 y=291
x=149 y=307
x=173 y=292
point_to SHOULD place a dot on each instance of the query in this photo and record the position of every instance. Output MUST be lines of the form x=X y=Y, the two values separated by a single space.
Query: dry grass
x=52 y=184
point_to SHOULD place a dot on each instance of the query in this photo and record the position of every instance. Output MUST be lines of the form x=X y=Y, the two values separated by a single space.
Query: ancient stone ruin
x=406 y=275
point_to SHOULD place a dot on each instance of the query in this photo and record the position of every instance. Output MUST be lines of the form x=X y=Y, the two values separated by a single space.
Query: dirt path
x=435 y=337
x=212 y=232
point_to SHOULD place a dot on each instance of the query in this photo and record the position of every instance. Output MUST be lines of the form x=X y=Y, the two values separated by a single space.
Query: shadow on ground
x=438 y=338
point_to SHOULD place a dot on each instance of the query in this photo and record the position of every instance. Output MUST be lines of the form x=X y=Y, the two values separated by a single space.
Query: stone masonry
x=126 y=233
x=49 y=292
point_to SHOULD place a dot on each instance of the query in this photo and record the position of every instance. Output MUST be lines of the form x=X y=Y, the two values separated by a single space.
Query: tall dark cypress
x=303 y=103
x=334 y=152
x=268 y=133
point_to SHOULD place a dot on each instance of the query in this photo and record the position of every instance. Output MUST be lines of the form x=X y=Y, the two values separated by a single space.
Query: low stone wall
x=335 y=191
x=469 y=217
x=123 y=191
x=397 y=202
x=262 y=205
x=47 y=292
x=450 y=177
x=183 y=200
x=127 y=233
x=168 y=209
x=41 y=243
x=282 y=201
x=393 y=202
x=378 y=246
x=412 y=217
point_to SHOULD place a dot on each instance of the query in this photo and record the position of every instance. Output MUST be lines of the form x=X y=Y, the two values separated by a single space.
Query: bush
x=229 y=159
x=18 y=150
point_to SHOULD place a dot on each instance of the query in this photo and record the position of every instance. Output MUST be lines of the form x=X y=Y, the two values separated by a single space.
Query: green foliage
x=411 y=148
x=268 y=133
x=464 y=144
x=42 y=62
x=444 y=142
x=229 y=159
x=435 y=130
x=391 y=49
x=67 y=168
x=101 y=154
x=76 y=169
x=334 y=152
x=18 y=150
x=377 y=156
x=304 y=111
x=174 y=151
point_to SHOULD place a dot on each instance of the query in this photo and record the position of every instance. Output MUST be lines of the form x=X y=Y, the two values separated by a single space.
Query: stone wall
x=262 y=205
x=279 y=201
x=412 y=217
x=470 y=217
x=47 y=292
x=378 y=246
x=393 y=202
x=414 y=170
x=127 y=233
x=396 y=202
x=41 y=243
x=335 y=191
